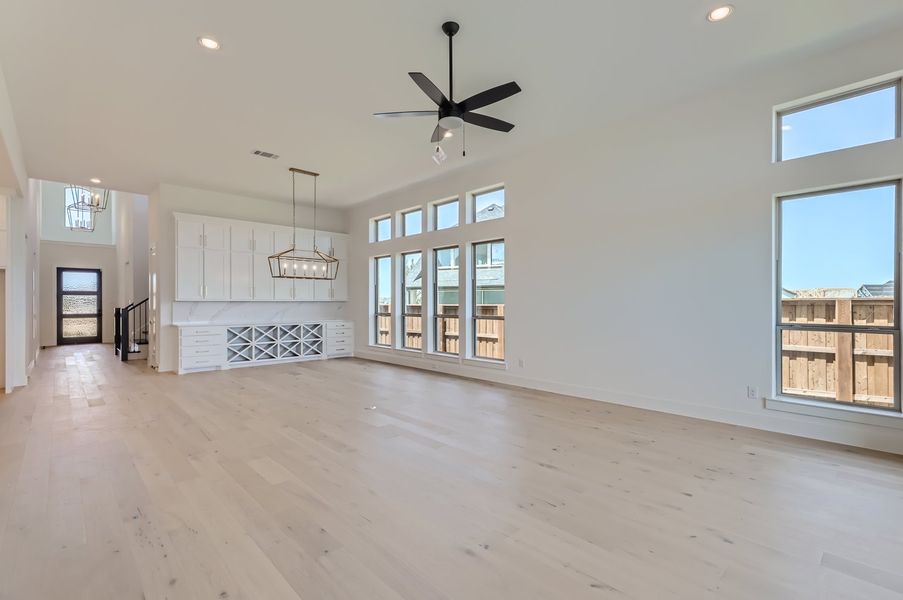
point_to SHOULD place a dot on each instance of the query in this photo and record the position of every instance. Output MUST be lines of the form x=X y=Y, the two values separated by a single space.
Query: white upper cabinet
x=189 y=273
x=264 y=286
x=189 y=234
x=241 y=276
x=284 y=288
x=223 y=259
x=216 y=275
x=241 y=238
x=323 y=289
x=216 y=236
x=340 y=283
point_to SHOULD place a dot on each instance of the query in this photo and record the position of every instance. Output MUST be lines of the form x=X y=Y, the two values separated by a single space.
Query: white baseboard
x=862 y=435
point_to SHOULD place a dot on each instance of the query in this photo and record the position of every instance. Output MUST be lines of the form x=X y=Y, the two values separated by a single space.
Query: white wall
x=640 y=256
x=139 y=247
x=53 y=219
x=22 y=286
x=57 y=254
x=168 y=199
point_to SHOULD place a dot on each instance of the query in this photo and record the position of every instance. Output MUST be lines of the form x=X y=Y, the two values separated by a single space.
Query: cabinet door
x=263 y=281
x=284 y=289
x=340 y=284
x=304 y=288
x=216 y=236
x=241 y=238
x=241 y=276
x=189 y=274
x=263 y=241
x=216 y=275
x=323 y=289
x=189 y=234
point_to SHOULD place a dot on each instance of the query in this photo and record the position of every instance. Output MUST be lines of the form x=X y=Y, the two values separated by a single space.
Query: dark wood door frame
x=60 y=340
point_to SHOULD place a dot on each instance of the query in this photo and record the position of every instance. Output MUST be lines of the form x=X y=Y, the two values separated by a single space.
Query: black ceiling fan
x=452 y=115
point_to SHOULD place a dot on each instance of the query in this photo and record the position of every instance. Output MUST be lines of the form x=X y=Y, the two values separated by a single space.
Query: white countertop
x=247 y=324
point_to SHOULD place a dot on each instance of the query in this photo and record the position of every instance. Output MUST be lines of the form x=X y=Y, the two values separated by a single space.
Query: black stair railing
x=131 y=329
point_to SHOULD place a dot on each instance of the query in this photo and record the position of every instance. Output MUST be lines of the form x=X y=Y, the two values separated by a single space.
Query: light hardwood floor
x=283 y=482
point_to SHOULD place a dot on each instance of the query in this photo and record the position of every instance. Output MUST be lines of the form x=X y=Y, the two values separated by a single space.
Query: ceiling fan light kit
x=294 y=263
x=453 y=115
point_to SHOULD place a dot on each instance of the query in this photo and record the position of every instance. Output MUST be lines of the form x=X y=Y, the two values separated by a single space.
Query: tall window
x=853 y=119
x=446 y=298
x=489 y=300
x=489 y=205
x=412 y=309
x=382 y=229
x=445 y=214
x=838 y=326
x=382 y=298
x=412 y=222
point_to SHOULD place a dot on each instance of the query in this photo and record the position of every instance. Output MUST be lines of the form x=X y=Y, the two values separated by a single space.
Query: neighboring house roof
x=492 y=275
x=876 y=290
x=821 y=293
x=868 y=290
x=493 y=211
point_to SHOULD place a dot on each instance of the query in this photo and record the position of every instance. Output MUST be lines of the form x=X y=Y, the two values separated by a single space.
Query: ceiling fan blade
x=490 y=96
x=429 y=88
x=487 y=122
x=407 y=113
x=438 y=134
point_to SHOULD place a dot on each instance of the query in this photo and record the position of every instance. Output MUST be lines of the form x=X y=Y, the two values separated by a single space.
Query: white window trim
x=815 y=407
x=837 y=412
x=834 y=95
x=374 y=229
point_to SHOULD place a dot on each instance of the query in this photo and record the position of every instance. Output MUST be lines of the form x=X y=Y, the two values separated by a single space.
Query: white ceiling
x=119 y=89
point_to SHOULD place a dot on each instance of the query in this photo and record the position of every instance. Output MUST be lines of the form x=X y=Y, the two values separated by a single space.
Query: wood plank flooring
x=351 y=479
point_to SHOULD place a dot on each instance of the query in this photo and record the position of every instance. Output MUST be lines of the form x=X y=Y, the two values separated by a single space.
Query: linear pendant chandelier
x=295 y=263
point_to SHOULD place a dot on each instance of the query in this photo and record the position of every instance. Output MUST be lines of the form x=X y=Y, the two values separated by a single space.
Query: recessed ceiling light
x=720 y=13
x=94 y=180
x=208 y=42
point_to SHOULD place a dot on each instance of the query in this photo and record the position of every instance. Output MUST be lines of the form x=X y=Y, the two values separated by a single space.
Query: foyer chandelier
x=82 y=204
x=294 y=263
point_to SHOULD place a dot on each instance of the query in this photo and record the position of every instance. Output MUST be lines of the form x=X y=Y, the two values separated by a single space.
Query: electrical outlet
x=752 y=392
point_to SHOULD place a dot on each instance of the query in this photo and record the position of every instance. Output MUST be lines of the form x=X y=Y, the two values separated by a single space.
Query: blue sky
x=852 y=122
x=843 y=239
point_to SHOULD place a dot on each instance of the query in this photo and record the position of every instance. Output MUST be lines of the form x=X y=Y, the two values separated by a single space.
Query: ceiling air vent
x=265 y=154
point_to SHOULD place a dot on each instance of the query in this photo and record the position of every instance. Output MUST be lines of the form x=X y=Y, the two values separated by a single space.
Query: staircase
x=130 y=338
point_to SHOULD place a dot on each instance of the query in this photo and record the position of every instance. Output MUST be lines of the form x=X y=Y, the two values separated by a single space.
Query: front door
x=78 y=306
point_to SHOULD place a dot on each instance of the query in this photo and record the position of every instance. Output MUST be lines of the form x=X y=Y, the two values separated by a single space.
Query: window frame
x=435 y=316
x=403 y=313
x=473 y=303
x=434 y=213
x=404 y=221
x=893 y=330
x=489 y=190
x=861 y=90
x=375 y=307
x=374 y=232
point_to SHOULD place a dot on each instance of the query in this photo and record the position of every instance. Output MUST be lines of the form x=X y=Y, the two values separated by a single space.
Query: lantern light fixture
x=295 y=263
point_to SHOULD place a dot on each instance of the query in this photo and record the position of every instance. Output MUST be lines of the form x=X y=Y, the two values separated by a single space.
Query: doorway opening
x=78 y=306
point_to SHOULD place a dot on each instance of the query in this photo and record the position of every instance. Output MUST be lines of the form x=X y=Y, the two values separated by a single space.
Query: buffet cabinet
x=226 y=260
x=206 y=348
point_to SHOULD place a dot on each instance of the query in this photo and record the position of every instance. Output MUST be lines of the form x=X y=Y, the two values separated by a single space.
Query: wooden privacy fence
x=490 y=334
x=846 y=367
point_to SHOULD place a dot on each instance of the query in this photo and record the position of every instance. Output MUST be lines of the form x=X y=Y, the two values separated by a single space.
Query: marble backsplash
x=239 y=313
